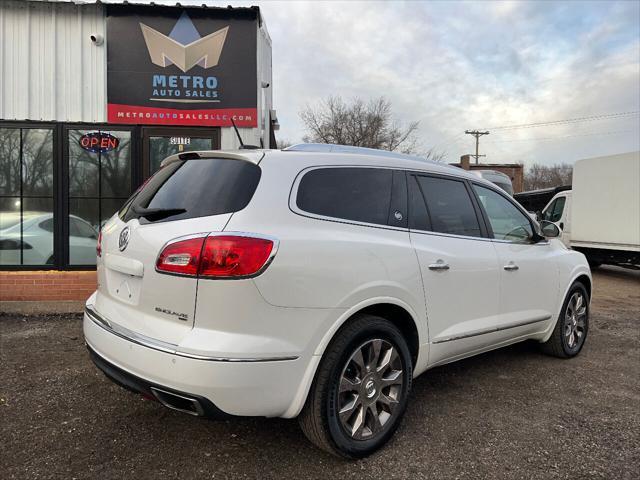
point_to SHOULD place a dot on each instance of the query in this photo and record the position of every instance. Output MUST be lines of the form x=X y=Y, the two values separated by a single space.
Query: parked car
x=319 y=284
x=600 y=215
x=34 y=236
x=534 y=201
x=497 y=178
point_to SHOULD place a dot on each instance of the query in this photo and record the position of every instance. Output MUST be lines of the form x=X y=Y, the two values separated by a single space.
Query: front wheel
x=571 y=329
x=361 y=388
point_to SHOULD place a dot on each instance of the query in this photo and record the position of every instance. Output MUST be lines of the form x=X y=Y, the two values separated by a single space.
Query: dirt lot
x=512 y=413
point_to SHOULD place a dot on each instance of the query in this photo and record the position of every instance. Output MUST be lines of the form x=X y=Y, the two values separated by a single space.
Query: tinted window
x=78 y=228
x=507 y=221
x=418 y=217
x=359 y=194
x=449 y=206
x=203 y=187
x=47 y=225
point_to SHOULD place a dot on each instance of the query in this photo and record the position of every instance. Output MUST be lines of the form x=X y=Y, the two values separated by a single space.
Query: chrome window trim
x=484 y=331
x=166 y=347
x=293 y=195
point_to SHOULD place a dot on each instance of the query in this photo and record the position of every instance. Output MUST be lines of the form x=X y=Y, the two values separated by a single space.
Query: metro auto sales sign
x=174 y=66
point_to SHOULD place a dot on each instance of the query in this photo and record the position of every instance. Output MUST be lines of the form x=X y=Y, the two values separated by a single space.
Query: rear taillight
x=181 y=257
x=216 y=256
x=234 y=256
x=99 y=244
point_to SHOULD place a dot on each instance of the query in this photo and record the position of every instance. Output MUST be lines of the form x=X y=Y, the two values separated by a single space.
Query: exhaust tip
x=177 y=402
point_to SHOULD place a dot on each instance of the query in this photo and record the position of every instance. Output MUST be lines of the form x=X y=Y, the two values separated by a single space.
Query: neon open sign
x=99 y=142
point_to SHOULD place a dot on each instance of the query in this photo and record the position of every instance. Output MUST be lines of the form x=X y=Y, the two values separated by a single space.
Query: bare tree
x=359 y=123
x=539 y=176
x=283 y=143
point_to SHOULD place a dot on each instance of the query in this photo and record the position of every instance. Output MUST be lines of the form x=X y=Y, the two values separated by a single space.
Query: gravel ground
x=512 y=413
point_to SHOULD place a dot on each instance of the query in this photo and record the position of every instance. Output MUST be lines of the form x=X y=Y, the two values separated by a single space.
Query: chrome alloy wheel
x=575 y=321
x=370 y=389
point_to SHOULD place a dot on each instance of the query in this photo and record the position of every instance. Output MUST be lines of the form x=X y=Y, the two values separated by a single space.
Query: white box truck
x=600 y=215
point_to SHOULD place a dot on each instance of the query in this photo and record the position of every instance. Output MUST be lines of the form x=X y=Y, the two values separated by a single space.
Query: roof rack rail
x=330 y=147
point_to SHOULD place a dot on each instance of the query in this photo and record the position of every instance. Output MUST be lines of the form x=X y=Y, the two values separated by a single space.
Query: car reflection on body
x=36 y=241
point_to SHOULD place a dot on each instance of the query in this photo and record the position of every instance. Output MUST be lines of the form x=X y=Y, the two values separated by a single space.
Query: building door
x=99 y=178
x=159 y=143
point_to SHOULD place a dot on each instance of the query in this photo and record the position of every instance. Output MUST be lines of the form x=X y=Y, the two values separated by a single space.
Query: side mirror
x=549 y=229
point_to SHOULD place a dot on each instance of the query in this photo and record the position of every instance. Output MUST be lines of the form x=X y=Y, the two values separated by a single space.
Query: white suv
x=317 y=282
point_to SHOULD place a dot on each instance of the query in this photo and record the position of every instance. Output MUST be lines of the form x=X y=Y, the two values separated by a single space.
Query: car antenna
x=242 y=145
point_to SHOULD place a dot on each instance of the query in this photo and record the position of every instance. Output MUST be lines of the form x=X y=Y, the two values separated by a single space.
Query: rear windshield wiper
x=156 y=213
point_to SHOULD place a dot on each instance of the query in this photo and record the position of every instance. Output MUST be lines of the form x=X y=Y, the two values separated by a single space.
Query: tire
x=572 y=320
x=343 y=382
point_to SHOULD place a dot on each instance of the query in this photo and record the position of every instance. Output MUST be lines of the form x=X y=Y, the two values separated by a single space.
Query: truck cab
x=558 y=211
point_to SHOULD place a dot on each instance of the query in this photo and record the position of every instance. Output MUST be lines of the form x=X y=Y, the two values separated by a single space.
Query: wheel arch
x=581 y=276
x=397 y=312
x=586 y=281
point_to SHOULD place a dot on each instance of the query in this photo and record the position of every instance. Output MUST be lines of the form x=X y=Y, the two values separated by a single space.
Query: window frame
x=395 y=203
x=485 y=233
x=56 y=191
x=520 y=208
x=64 y=256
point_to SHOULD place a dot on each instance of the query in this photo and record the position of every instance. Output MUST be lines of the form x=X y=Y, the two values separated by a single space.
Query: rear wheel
x=360 y=391
x=572 y=326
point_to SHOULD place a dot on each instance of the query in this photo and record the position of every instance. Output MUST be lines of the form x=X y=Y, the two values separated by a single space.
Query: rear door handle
x=511 y=267
x=439 y=265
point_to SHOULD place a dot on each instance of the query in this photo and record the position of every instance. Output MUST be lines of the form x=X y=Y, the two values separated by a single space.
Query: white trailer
x=600 y=215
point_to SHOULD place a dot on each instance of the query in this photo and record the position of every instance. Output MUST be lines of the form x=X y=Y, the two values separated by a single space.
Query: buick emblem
x=123 y=240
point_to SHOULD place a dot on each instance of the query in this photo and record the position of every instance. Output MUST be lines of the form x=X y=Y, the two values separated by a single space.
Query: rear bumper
x=182 y=401
x=221 y=387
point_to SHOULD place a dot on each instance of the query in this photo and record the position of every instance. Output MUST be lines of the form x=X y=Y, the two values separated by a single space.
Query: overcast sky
x=467 y=65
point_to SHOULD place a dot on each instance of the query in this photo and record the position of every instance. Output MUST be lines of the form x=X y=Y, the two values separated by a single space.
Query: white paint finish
x=606 y=202
x=251 y=389
x=131 y=301
x=323 y=273
x=564 y=222
x=49 y=67
x=537 y=271
x=462 y=299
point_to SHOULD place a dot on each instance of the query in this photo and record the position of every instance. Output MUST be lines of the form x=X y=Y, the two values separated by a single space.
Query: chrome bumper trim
x=165 y=347
x=491 y=330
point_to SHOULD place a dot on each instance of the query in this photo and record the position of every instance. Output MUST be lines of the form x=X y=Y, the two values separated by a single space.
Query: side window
x=350 y=193
x=449 y=206
x=418 y=217
x=78 y=228
x=548 y=213
x=47 y=225
x=558 y=209
x=86 y=230
x=507 y=221
x=554 y=212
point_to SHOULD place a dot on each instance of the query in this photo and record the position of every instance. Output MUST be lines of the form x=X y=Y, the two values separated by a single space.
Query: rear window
x=194 y=188
x=359 y=194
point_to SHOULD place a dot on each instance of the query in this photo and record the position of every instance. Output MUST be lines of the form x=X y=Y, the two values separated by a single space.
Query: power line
x=562 y=136
x=567 y=121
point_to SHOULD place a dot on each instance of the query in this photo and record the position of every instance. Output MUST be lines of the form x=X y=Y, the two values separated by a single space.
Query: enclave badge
x=123 y=241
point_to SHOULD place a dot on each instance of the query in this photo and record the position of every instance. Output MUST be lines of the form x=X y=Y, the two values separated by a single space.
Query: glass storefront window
x=26 y=196
x=161 y=147
x=99 y=184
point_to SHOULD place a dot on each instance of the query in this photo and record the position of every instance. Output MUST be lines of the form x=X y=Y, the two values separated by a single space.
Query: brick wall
x=46 y=285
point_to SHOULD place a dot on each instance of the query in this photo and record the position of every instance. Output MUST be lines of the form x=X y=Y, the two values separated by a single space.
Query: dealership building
x=93 y=96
